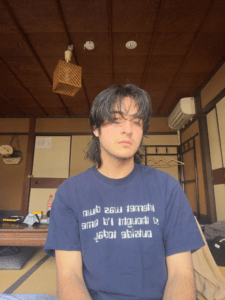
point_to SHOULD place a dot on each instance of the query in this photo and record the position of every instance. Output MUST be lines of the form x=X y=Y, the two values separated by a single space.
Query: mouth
x=125 y=142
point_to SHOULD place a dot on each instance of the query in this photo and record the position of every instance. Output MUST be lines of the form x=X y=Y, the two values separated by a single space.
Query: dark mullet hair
x=103 y=107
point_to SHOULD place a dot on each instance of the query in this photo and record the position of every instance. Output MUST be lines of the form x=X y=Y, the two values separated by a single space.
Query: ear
x=96 y=132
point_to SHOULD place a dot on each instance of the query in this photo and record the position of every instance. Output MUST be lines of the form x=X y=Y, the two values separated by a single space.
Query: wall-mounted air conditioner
x=182 y=113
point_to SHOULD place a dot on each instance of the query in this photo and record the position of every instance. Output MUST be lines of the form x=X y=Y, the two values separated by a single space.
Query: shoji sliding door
x=216 y=129
x=80 y=144
x=50 y=168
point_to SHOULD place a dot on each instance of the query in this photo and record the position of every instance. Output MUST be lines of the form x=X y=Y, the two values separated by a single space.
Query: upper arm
x=180 y=263
x=69 y=262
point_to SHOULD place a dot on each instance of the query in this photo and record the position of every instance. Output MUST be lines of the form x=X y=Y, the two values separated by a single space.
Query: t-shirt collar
x=112 y=181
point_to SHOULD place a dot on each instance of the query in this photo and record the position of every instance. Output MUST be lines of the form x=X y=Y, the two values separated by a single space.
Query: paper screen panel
x=39 y=199
x=78 y=150
x=214 y=144
x=219 y=191
x=51 y=157
x=221 y=121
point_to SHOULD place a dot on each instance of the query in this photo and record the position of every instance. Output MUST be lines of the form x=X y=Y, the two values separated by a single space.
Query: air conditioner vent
x=182 y=113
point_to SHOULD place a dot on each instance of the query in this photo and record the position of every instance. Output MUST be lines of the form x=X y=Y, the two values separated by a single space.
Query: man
x=121 y=230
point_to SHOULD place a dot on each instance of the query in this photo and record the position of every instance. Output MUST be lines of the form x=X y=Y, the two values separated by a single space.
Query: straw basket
x=67 y=78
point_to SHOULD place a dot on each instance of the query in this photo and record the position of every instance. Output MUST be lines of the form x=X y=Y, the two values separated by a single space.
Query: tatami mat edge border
x=23 y=278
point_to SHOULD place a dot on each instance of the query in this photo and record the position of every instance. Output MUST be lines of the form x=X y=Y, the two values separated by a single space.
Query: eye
x=137 y=122
x=118 y=119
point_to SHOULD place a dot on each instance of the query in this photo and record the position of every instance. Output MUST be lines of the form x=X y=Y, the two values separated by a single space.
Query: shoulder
x=71 y=187
x=76 y=180
x=68 y=193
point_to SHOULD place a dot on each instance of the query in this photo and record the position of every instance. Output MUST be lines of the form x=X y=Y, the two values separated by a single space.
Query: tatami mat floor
x=41 y=281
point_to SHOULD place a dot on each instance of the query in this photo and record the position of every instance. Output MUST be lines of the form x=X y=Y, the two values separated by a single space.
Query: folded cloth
x=213 y=230
x=208 y=279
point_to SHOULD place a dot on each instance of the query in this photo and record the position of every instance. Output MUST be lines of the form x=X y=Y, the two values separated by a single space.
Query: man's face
x=122 y=139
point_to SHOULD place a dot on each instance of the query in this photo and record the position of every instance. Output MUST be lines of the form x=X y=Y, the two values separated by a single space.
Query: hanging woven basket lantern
x=67 y=76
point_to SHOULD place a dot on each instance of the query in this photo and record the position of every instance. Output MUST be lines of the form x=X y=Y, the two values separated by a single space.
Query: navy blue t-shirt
x=124 y=228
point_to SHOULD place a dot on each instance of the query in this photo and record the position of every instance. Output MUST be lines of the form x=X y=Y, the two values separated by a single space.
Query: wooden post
x=206 y=161
x=28 y=168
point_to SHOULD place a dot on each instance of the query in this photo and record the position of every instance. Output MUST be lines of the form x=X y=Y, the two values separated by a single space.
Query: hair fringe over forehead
x=105 y=102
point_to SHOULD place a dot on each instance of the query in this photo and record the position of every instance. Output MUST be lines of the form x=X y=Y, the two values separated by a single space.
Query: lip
x=125 y=142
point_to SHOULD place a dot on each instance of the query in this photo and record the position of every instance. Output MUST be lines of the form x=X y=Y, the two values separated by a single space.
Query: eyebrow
x=116 y=111
x=122 y=114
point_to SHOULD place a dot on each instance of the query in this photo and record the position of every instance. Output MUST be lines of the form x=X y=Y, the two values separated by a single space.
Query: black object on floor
x=217 y=248
x=14 y=258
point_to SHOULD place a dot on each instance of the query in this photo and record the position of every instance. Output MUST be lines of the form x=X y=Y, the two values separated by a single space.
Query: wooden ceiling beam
x=21 y=83
x=27 y=40
x=157 y=22
x=109 y=6
x=62 y=19
x=188 y=54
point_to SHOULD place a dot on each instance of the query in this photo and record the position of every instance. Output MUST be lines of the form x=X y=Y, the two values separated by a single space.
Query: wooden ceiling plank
x=11 y=103
x=109 y=6
x=126 y=78
x=156 y=25
x=97 y=79
x=27 y=40
x=64 y=25
x=62 y=18
x=188 y=54
x=21 y=83
x=134 y=15
x=57 y=111
x=130 y=20
x=129 y=64
x=86 y=16
x=182 y=16
x=33 y=112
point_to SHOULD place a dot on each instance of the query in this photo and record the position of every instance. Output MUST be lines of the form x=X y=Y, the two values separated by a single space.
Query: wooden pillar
x=28 y=168
x=206 y=162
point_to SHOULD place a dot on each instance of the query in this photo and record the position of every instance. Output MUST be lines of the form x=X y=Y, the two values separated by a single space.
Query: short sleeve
x=63 y=233
x=180 y=232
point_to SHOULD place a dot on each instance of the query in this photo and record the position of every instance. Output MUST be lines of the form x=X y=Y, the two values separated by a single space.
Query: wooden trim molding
x=218 y=176
x=46 y=183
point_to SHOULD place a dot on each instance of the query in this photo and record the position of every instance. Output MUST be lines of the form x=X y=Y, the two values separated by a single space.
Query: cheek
x=139 y=134
x=107 y=136
x=110 y=132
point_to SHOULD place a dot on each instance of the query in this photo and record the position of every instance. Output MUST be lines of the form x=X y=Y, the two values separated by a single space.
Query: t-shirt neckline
x=112 y=181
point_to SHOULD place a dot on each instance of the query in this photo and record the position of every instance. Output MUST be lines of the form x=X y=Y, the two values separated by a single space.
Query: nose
x=127 y=127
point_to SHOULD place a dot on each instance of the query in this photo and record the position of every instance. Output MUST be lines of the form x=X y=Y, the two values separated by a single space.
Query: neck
x=118 y=169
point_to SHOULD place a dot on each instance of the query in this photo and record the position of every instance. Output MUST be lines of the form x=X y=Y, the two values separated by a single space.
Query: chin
x=125 y=157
